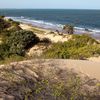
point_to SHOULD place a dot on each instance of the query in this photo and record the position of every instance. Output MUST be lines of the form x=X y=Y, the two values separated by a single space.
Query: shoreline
x=95 y=33
x=28 y=26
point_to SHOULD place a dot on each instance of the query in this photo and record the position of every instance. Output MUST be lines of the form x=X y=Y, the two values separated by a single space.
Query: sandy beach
x=46 y=33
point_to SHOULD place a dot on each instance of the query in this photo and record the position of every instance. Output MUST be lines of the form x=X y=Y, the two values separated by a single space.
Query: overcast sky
x=61 y=4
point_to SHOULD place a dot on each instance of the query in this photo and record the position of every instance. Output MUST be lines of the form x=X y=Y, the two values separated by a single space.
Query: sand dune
x=90 y=67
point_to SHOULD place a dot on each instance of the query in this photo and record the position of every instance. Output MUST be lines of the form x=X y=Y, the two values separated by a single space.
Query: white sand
x=54 y=37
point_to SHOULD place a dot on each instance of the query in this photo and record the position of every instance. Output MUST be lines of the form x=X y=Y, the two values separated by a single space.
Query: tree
x=68 y=29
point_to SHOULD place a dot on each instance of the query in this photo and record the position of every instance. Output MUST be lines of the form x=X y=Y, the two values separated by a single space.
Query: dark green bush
x=2 y=17
x=20 y=41
x=4 y=51
x=10 y=20
x=46 y=40
x=9 y=25
x=15 y=23
x=3 y=24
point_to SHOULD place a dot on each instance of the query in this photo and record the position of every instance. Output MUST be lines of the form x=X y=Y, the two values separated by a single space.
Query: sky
x=50 y=4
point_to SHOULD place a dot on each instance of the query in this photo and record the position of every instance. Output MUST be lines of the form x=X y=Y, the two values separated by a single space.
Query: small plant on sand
x=3 y=24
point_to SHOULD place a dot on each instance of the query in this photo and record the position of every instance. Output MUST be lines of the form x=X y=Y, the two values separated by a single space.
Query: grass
x=79 y=47
x=13 y=58
x=37 y=30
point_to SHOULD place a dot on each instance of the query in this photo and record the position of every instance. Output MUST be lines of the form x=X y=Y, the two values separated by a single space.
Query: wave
x=39 y=23
x=89 y=30
x=53 y=25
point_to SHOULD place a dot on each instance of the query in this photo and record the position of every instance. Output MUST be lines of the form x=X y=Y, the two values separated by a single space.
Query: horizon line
x=54 y=8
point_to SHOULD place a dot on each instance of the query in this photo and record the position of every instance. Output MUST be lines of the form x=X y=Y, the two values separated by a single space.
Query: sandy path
x=90 y=68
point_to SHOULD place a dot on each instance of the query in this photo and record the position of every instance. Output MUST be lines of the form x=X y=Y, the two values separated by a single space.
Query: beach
x=47 y=33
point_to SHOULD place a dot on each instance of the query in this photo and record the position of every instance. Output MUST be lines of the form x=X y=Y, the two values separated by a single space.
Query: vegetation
x=20 y=41
x=3 y=24
x=27 y=82
x=79 y=47
x=15 y=41
x=8 y=24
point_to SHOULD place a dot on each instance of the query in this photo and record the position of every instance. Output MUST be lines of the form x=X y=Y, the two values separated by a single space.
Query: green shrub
x=10 y=20
x=2 y=17
x=79 y=47
x=20 y=41
x=3 y=24
x=14 y=23
x=9 y=25
x=4 y=51
x=84 y=39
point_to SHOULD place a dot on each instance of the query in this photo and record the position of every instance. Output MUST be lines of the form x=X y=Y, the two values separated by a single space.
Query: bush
x=20 y=41
x=83 y=40
x=79 y=47
x=3 y=24
x=46 y=40
x=10 y=20
x=2 y=17
x=15 y=23
x=8 y=25
x=4 y=51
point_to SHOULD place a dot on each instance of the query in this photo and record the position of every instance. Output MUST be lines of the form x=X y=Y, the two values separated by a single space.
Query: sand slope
x=90 y=68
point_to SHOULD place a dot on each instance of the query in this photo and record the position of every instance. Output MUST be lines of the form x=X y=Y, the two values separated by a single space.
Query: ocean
x=82 y=20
